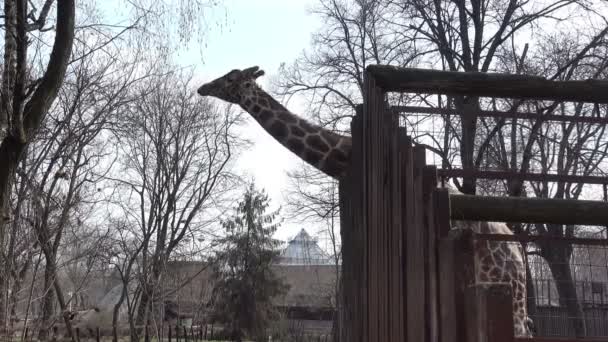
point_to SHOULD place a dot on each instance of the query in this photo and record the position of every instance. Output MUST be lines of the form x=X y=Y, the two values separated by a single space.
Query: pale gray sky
x=264 y=33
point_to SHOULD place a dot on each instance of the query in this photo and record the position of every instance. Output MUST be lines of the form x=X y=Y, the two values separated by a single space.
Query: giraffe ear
x=251 y=71
x=258 y=74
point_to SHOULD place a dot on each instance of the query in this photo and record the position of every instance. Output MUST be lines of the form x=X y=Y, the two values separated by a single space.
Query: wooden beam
x=601 y=120
x=528 y=210
x=526 y=176
x=392 y=78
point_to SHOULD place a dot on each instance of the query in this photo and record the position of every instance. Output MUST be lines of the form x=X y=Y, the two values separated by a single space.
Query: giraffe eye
x=247 y=85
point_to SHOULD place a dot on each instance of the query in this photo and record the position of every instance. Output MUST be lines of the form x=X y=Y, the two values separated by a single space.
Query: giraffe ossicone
x=498 y=262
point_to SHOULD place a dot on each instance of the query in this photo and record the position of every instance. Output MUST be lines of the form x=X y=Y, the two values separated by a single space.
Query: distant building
x=309 y=271
x=304 y=250
x=311 y=274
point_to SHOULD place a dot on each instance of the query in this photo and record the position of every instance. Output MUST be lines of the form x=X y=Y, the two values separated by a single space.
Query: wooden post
x=146 y=336
x=414 y=249
x=169 y=333
x=97 y=335
x=456 y=274
x=429 y=184
x=353 y=282
x=489 y=313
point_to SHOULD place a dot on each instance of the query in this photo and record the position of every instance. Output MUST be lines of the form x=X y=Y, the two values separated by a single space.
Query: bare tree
x=477 y=36
x=24 y=102
x=566 y=148
x=177 y=153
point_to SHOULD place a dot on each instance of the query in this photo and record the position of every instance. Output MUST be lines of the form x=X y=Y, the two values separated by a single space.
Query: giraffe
x=330 y=153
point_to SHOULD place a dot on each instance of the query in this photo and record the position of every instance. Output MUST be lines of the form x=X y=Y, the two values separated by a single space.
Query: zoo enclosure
x=405 y=277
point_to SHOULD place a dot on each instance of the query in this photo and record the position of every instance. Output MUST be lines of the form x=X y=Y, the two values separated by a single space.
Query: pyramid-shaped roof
x=304 y=250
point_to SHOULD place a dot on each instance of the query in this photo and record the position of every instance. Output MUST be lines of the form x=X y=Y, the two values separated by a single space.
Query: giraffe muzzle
x=204 y=90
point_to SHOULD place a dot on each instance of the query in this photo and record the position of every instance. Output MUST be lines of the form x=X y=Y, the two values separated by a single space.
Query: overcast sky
x=264 y=33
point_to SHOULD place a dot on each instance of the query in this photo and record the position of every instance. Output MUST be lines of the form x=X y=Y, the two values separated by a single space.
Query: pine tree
x=244 y=283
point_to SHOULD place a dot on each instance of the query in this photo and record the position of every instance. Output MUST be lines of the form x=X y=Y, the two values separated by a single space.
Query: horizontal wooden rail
x=556 y=339
x=505 y=114
x=535 y=238
x=528 y=210
x=533 y=177
x=391 y=78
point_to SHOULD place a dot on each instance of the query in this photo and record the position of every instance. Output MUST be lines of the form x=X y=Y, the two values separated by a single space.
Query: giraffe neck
x=321 y=148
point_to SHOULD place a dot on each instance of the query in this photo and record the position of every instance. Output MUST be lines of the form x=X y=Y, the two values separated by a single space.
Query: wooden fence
x=405 y=278
x=165 y=333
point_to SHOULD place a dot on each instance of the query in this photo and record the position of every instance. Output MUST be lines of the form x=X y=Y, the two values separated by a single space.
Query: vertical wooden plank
x=395 y=238
x=429 y=185
x=383 y=202
x=415 y=251
x=489 y=313
x=353 y=313
x=405 y=161
x=407 y=223
x=464 y=276
x=370 y=131
x=448 y=331
x=370 y=160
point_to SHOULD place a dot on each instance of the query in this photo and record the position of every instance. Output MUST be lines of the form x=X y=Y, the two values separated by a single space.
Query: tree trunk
x=48 y=301
x=468 y=108
x=558 y=259
x=144 y=304
x=116 y=311
x=531 y=300
x=32 y=113
x=10 y=152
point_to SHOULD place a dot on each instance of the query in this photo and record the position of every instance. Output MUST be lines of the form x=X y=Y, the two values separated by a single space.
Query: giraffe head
x=234 y=86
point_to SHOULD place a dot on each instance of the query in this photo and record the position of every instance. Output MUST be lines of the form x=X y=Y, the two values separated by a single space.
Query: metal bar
x=534 y=177
x=392 y=78
x=542 y=238
x=505 y=114
x=528 y=210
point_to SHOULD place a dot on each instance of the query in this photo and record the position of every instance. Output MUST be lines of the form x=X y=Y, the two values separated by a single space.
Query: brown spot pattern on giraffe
x=265 y=115
x=286 y=117
x=494 y=273
x=337 y=155
x=297 y=131
x=313 y=157
x=308 y=128
x=334 y=167
x=263 y=102
x=295 y=145
x=256 y=109
x=331 y=138
x=278 y=130
x=317 y=143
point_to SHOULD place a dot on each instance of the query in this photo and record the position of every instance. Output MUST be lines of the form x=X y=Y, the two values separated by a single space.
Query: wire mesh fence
x=567 y=283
